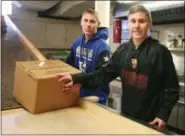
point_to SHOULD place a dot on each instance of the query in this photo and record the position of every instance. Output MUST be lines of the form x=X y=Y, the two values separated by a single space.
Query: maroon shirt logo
x=133 y=79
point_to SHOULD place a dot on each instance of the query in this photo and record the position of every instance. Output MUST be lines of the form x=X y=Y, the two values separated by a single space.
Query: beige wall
x=44 y=32
x=51 y=33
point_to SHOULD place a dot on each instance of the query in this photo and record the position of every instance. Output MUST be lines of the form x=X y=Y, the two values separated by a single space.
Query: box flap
x=46 y=69
x=30 y=65
x=51 y=72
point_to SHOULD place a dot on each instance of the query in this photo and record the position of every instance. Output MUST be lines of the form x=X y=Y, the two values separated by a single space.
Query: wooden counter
x=87 y=118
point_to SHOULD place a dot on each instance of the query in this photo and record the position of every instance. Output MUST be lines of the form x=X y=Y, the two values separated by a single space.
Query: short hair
x=92 y=12
x=138 y=8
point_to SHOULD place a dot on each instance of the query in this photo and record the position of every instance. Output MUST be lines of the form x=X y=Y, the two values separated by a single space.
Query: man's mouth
x=137 y=32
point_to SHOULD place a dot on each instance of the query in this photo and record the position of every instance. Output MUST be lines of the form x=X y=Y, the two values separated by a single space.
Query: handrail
x=26 y=42
x=35 y=52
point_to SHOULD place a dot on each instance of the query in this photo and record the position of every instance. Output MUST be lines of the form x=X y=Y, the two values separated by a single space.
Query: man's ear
x=98 y=24
x=150 y=25
x=81 y=22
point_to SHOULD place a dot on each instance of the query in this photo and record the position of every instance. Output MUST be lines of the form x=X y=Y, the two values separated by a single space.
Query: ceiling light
x=126 y=2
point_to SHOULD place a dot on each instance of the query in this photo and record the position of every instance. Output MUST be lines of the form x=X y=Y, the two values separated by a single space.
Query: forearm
x=91 y=80
x=104 y=74
x=171 y=97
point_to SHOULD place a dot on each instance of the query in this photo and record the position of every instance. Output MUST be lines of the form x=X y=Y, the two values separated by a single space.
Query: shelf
x=176 y=49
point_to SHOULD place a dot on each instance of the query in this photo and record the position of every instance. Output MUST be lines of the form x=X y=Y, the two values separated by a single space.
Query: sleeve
x=102 y=57
x=103 y=75
x=171 y=92
x=70 y=59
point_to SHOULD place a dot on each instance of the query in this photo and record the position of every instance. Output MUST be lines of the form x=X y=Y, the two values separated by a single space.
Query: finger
x=160 y=124
x=153 y=122
x=69 y=84
x=76 y=86
x=60 y=79
x=63 y=78
x=65 y=89
x=61 y=74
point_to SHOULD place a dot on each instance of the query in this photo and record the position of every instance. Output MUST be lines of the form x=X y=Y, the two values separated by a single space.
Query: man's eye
x=133 y=21
x=141 y=21
x=92 y=21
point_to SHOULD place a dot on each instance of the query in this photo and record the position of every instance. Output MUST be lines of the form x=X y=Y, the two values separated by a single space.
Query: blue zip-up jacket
x=90 y=56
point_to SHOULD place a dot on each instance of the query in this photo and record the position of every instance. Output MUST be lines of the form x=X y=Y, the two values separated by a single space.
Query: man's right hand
x=67 y=79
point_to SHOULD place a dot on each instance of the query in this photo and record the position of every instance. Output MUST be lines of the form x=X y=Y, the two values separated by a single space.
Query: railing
x=29 y=46
x=34 y=52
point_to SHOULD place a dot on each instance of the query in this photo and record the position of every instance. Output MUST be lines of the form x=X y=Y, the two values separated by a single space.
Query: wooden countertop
x=87 y=118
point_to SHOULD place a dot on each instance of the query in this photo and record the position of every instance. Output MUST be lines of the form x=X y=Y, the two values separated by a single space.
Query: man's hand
x=67 y=79
x=160 y=123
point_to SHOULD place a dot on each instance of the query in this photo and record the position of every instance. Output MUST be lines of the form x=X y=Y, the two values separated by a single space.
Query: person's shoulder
x=77 y=41
x=123 y=46
x=162 y=48
x=101 y=44
x=156 y=44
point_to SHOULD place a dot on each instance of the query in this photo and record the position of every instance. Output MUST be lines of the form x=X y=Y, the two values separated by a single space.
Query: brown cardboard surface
x=47 y=73
x=37 y=89
x=86 y=118
x=47 y=64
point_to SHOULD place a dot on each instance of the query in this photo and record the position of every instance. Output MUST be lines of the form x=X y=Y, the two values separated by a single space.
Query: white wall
x=44 y=32
x=178 y=59
x=165 y=30
x=174 y=30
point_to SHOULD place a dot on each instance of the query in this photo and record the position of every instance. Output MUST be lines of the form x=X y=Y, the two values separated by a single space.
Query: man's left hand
x=159 y=122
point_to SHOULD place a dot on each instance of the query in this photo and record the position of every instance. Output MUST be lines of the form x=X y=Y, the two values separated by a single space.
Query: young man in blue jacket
x=90 y=51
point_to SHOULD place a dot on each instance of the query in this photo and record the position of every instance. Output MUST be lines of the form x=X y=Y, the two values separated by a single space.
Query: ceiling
x=74 y=9
x=35 y=5
x=122 y=8
x=69 y=9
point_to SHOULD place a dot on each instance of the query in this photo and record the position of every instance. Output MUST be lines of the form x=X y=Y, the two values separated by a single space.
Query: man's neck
x=88 y=37
x=137 y=42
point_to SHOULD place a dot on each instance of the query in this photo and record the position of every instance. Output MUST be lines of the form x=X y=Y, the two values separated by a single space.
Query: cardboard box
x=37 y=89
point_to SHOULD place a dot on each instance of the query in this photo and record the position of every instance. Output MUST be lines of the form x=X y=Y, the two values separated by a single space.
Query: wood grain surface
x=87 y=118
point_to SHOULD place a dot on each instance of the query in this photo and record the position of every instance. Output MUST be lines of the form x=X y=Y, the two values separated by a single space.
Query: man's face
x=138 y=25
x=89 y=24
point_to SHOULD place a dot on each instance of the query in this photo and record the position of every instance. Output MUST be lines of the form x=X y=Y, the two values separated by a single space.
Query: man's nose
x=136 y=25
x=88 y=24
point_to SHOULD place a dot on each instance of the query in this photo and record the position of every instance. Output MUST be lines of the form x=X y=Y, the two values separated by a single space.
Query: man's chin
x=88 y=34
x=137 y=37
